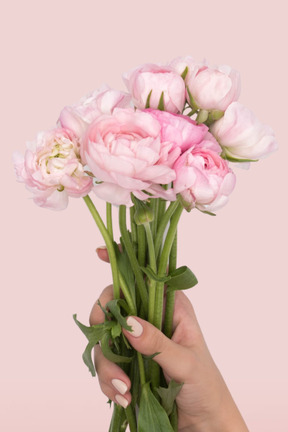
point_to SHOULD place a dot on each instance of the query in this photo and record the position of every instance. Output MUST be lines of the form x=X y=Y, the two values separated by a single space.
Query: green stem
x=161 y=211
x=174 y=418
x=130 y=415
x=109 y=244
x=152 y=262
x=127 y=295
x=163 y=265
x=163 y=224
x=141 y=245
x=109 y=219
x=133 y=226
x=118 y=418
x=132 y=258
x=155 y=206
x=170 y=296
x=141 y=368
x=159 y=297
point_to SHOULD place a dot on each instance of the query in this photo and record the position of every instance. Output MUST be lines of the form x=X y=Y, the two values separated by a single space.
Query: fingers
x=148 y=340
x=97 y=315
x=186 y=330
x=102 y=253
x=114 y=383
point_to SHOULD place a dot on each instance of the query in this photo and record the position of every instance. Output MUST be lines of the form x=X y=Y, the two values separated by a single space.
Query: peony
x=51 y=169
x=180 y=130
x=180 y=64
x=242 y=135
x=125 y=152
x=103 y=101
x=212 y=88
x=148 y=82
x=203 y=178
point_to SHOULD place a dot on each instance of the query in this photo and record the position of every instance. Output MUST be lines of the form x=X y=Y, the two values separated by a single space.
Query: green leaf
x=152 y=416
x=94 y=334
x=182 y=278
x=116 y=330
x=161 y=106
x=153 y=276
x=168 y=395
x=226 y=156
x=184 y=73
x=114 y=307
x=125 y=269
x=207 y=212
x=109 y=354
x=191 y=101
x=148 y=100
x=87 y=358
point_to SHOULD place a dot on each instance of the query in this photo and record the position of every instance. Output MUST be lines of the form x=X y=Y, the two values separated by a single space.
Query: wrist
x=227 y=418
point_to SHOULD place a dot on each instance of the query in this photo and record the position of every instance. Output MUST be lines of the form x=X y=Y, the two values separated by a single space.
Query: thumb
x=174 y=359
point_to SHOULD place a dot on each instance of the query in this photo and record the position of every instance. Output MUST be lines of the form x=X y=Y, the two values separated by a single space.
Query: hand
x=204 y=402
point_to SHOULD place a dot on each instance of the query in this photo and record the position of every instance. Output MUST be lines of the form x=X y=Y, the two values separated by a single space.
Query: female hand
x=204 y=402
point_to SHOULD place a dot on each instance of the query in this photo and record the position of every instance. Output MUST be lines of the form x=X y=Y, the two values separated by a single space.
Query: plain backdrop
x=53 y=53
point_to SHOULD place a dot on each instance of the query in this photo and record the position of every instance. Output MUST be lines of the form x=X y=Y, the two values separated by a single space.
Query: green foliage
x=148 y=100
x=181 y=279
x=161 y=106
x=152 y=416
x=168 y=395
x=109 y=334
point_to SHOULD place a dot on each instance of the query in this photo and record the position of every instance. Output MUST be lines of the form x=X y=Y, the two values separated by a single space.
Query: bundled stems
x=152 y=262
x=144 y=246
x=109 y=244
x=132 y=257
x=170 y=296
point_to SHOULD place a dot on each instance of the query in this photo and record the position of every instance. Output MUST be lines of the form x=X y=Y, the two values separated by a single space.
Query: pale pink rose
x=242 y=135
x=51 y=169
x=103 y=101
x=203 y=178
x=180 y=64
x=125 y=152
x=180 y=130
x=213 y=88
x=150 y=77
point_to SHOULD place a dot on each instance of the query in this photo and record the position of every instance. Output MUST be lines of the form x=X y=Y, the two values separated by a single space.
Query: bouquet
x=166 y=145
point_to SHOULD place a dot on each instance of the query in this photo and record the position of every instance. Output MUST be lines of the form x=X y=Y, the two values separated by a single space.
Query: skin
x=204 y=402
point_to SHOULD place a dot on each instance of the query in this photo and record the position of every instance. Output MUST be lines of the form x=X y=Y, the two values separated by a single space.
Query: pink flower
x=203 y=178
x=125 y=152
x=212 y=88
x=241 y=134
x=103 y=101
x=179 y=130
x=51 y=169
x=150 y=81
x=179 y=65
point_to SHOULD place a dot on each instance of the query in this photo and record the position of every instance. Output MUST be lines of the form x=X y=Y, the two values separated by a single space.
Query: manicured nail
x=119 y=385
x=121 y=401
x=101 y=248
x=137 y=328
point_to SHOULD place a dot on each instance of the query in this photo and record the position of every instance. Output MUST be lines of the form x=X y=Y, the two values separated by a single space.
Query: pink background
x=56 y=52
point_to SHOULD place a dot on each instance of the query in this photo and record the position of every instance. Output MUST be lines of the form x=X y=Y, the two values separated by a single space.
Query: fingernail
x=137 y=328
x=119 y=385
x=101 y=248
x=121 y=401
